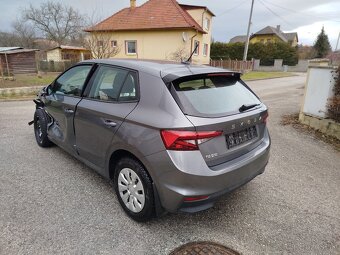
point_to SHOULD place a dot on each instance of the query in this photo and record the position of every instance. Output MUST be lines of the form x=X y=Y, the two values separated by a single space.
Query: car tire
x=134 y=190
x=40 y=128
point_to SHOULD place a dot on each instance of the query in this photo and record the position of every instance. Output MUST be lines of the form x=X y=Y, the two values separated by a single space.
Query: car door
x=60 y=103
x=112 y=96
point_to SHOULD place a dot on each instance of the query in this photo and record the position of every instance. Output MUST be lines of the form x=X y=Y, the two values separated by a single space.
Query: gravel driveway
x=52 y=204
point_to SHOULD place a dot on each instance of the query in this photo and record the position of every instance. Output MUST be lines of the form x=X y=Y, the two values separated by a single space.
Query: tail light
x=186 y=140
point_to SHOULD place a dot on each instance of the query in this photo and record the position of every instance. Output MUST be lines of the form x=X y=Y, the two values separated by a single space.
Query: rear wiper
x=247 y=107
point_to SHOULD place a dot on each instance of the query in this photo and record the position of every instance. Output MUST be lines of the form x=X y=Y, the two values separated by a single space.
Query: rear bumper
x=185 y=174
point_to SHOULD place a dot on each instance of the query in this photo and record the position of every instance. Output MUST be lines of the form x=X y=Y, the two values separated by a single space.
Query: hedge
x=265 y=52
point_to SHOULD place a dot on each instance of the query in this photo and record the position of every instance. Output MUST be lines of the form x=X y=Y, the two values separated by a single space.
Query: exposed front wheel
x=40 y=128
x=133 y=187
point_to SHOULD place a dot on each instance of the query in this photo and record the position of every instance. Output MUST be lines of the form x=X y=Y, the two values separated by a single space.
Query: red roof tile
x=152 y=15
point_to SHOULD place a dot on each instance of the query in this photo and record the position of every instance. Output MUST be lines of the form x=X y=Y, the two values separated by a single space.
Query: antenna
x=189 y=59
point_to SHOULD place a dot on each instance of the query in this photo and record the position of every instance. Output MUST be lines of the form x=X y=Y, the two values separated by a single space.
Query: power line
x=233 y=8
x=299 y=12
x=277 y=15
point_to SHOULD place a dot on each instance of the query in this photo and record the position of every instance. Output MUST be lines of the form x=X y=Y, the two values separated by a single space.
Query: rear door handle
x=110 y=123
x=68 y=110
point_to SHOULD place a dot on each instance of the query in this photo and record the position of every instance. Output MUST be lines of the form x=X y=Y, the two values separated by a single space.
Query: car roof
x=167 y=70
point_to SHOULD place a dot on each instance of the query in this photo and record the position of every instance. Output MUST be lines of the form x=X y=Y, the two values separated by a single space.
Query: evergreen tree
x=322 y=46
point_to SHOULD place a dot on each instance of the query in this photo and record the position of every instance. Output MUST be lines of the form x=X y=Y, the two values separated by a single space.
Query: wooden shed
x=16 y=60
x=68 y=53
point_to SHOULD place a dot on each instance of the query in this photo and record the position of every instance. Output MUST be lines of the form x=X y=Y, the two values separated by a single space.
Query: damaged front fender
x=39 y=104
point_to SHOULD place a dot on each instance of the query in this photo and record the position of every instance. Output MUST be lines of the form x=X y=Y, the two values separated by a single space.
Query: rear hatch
x=224 y=104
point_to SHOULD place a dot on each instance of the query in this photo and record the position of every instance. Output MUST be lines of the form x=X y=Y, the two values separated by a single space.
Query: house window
x=205 y=49
x=131 y=47
x=206 y=24
x=114 y=44
x=262 y=40
x=197 y=48
x=269 y=40
x=100 y=43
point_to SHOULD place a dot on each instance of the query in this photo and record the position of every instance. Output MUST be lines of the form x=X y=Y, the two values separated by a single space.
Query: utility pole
x=337 y=43
x=248 y=31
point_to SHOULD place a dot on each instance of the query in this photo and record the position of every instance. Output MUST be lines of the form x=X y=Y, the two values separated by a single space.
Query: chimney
x=132 y=4
x=278 y=27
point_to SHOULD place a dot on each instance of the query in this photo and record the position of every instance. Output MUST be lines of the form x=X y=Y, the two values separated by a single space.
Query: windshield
x=213 y=96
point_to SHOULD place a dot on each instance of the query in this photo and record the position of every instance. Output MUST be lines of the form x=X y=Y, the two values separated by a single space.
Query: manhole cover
x=203 y=248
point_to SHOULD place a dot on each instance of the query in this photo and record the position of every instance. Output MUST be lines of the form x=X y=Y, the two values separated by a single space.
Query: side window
x=71 y=82
x=108 y=83
x=197 y=51
x=128 y=92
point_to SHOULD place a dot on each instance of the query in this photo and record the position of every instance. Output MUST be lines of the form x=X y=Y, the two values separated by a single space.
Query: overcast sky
x=303 y=16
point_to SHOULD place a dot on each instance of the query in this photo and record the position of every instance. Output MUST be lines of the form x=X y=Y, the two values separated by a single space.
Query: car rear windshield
x=212 y=95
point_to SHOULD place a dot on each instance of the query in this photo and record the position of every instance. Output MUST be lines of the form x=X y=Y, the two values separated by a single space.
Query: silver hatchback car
x=171 y=137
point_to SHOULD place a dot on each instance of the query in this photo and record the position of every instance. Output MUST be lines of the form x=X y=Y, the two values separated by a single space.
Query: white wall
x=319 y=88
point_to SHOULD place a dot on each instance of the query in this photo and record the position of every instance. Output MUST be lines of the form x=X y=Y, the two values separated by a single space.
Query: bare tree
x=102 y=45
x=8 y=39
x=56 y=21
x=181 y=54
x=25 y=33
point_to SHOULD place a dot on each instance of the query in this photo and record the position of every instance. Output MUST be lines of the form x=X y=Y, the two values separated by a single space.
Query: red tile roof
x=152 y=15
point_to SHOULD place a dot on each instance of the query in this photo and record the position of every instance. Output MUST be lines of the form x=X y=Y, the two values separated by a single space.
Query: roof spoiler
x=171 y=77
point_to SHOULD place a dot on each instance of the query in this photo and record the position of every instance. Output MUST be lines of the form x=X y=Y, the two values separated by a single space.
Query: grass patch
x=293 y=120
x=28 y=80
x=265 y=75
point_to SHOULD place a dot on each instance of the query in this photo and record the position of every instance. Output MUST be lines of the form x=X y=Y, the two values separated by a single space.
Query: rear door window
x=212 y=95
x=107 y=83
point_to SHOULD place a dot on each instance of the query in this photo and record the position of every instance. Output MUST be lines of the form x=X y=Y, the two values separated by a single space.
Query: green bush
x=265 y=52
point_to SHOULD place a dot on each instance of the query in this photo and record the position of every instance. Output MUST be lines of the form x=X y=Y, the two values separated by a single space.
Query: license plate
x=240 y=137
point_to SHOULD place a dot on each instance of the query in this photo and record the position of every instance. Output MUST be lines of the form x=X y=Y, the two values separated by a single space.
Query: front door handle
x=110 y=123
x=68 y=110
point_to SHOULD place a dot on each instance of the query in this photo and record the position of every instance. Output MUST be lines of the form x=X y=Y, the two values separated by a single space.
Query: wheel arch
x=120 y=153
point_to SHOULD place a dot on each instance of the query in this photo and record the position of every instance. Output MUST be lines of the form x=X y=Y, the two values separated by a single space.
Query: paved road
x=52 y=204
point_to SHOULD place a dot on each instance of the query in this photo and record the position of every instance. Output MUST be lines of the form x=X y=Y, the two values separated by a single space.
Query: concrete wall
x=277 y=67
x=302 y=66
x=319 y=87
x=326 y=126
x=9 y=92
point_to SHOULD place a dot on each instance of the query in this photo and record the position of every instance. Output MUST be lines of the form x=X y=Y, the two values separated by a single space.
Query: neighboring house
x=17 y=60
x=68 y=53
x=270 y=35
x=158 y=29
x=238 y=38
